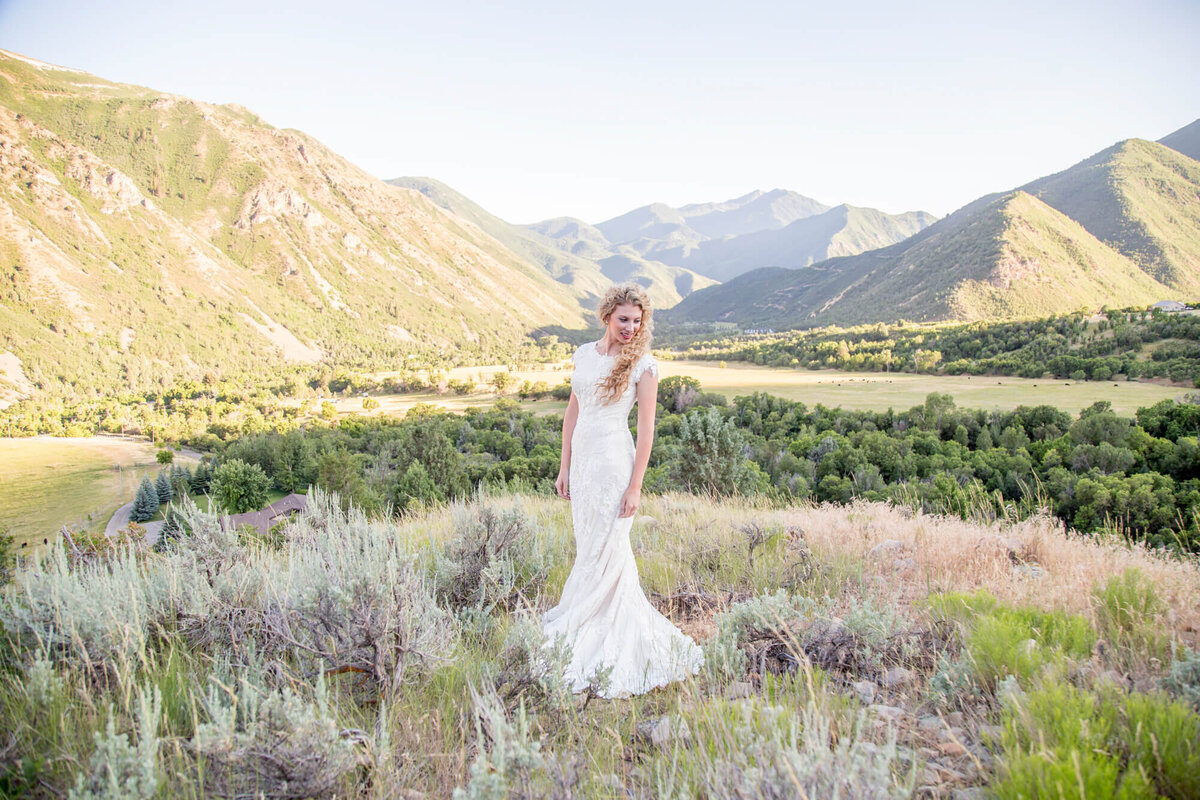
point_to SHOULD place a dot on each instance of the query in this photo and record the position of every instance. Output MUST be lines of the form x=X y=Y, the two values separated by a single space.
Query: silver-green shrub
x=1183 y=679
x=493 y=561
x=508 y=761
x=119 y=769
x=344 y=595
x=270 y=743
x=766 y=616
x=773 y=753
x=98 y=615
x=532 y=668
x=349 y=598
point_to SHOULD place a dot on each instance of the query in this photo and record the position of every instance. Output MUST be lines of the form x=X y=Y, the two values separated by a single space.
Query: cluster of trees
x=1126 y=344
x=170 y=484
x=208 y=411
x=1096 y=471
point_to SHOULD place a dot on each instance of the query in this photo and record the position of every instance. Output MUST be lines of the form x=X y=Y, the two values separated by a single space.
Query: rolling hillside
x=1120 y=228
x=1143 y=199
x=584 y=262
x=148 y=237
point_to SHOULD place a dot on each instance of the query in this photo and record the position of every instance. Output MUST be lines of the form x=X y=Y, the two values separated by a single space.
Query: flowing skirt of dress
x=603 y=612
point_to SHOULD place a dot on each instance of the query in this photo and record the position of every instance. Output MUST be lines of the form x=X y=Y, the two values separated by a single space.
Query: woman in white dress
x=603 y=612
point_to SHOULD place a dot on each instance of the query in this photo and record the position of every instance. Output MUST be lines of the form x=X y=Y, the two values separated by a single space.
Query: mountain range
x=1119 y=228
x=722 y=240
x=149 y=238
x=587 y=270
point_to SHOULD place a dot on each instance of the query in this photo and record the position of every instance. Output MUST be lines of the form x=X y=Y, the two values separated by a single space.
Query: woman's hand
x=562 y=486
x=631 y=500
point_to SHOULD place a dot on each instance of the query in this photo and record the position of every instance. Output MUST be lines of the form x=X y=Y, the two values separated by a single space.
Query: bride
x=603 y=613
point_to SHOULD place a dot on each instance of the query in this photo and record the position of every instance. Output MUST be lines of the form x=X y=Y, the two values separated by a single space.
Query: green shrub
x=8 y=556
x=1127 y=607
x=240 y=487
x=1062 y=741
x=1163 y=738
x=1005 y=640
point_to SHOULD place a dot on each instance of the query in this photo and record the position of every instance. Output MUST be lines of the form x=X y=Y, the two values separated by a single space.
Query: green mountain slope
x=587 y=265
x=1143 y=199
x=148 y=237
x=840 y=231
x=1002 y=256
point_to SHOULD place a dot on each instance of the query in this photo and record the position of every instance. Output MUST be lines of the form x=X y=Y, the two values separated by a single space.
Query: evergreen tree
x=174 y=526
x=163 y=486
x=711 y=457
x=145 y=504
x=199 y=480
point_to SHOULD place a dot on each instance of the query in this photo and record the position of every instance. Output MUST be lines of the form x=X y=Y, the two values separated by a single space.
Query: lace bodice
x=590 y=369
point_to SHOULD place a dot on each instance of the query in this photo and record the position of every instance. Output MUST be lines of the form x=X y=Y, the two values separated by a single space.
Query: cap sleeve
x=578 y=352
x=645 y=364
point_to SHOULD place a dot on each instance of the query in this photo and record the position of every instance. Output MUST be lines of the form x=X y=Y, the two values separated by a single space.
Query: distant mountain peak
x=1186 y=140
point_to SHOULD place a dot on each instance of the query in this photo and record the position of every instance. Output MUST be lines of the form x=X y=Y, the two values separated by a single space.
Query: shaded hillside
x=580 y=259
x=1002 y=256
x=659 y=228
x=1186 y=140
x=148 y=237
x=756 y=211
x=840 y=231
x=1143 y=199
x=760 y=229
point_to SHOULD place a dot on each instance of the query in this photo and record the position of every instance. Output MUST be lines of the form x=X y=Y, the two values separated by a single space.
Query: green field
x=46 y=483
x=870 y=391
x=878 y=391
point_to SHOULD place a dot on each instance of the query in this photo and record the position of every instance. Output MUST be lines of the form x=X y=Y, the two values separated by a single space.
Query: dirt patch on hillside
x=293 y=349
x=14 y=386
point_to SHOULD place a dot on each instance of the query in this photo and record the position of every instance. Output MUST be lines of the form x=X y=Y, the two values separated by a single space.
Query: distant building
x=282 y=509
x=1170 y=305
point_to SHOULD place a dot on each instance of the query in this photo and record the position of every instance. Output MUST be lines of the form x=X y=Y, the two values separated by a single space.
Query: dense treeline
x=215 y=408
x=1096 y=471
x=1125 y=344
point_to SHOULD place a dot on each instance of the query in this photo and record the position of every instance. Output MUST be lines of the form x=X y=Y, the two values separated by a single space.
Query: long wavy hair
x=625 y=294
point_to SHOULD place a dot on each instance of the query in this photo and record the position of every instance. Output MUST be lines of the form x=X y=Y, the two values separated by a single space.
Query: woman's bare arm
x=647 y=401
x=562 y=483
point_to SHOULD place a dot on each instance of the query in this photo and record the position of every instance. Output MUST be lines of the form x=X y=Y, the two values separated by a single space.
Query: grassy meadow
x=868 y=391
x=850 y=651
x=46 y=483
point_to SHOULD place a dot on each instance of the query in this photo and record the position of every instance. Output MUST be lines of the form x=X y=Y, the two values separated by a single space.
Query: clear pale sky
x=543 y=109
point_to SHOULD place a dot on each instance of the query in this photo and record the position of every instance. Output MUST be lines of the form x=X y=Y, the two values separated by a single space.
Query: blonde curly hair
x=625 y=294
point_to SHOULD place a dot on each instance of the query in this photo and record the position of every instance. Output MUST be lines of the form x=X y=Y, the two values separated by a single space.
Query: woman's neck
x=610 y=347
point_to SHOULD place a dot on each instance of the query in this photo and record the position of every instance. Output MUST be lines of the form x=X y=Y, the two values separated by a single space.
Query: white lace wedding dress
x=603 y=613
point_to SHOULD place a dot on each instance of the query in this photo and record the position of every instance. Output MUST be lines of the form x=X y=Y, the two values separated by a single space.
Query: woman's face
x=624 y=323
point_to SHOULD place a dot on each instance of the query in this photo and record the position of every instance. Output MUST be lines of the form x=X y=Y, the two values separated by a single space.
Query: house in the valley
x=262 y=521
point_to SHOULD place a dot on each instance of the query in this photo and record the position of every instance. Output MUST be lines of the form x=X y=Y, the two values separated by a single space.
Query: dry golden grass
x=950 y=553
